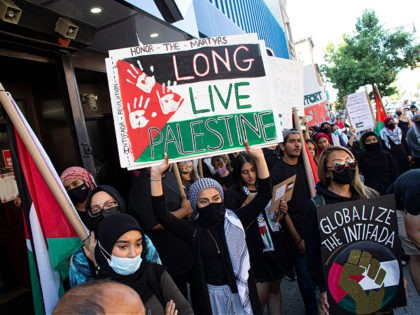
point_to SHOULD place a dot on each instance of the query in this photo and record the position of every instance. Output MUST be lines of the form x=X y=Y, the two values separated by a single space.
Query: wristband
x=86 y=238
x=155 y=180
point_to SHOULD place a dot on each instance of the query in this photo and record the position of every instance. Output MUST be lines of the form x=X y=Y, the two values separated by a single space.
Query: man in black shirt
x=406 y=189
x=292 y=164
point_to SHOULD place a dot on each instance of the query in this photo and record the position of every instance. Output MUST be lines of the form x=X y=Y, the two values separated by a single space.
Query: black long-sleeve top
x=312 y=237
x=190 y=232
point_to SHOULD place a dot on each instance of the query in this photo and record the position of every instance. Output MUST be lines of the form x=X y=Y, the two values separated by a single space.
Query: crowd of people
x=213 y=248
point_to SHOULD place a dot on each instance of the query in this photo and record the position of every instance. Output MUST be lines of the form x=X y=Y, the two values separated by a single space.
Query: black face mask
x=372 y=146
x=92 y=223
x=398 y=113
x=212 y=215
x=326 y=130
x=391 y=126
x=344 y=177
x=78 y=194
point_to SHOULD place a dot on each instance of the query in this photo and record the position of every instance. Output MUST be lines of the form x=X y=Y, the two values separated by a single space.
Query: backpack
x=318 y=201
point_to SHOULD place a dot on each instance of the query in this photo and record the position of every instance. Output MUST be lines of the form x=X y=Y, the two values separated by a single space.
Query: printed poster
x=315 y=102
x=361 y=255
x=191 y=99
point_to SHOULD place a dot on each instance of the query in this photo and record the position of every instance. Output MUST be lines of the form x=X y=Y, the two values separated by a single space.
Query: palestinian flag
x=140 y=91
x=380 y=111
x=314 y=167
x=50 y=237
x=362 y=273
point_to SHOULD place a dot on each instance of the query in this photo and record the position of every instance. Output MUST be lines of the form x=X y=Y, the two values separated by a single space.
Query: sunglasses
x=340 y=166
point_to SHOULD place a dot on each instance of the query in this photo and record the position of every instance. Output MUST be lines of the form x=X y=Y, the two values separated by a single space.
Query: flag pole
x=178 y=179
x=306 y=163
x=42 y=166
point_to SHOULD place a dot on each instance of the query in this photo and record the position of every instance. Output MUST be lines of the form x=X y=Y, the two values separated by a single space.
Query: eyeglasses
x=108 y=207
x=340 y=166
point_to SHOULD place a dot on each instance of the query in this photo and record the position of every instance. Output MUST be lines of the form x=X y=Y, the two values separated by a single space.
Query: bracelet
x=86 y=238
x=284 y=213
x=298 y=242
x=155 y=180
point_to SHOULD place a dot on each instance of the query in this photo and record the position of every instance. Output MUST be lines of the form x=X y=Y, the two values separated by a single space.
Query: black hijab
x=376 y=153
x=146 y=280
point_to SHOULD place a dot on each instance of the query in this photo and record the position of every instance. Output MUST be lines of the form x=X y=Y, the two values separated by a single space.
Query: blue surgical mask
x=122 y=265
x=337 y=132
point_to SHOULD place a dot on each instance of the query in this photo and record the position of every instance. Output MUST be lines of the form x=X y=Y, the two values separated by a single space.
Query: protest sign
x=315 y=103
x=359 y=111
x=361 y=255
x=286 y=77
x=282 y=191
x=191 y=99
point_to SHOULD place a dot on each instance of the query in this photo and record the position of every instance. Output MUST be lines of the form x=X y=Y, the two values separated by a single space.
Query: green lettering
x=239 y=97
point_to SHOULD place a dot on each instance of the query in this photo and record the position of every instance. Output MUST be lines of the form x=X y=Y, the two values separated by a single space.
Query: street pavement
x=293 y=303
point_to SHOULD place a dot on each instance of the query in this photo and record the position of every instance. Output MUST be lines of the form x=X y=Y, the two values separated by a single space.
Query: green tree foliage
x=373 y=55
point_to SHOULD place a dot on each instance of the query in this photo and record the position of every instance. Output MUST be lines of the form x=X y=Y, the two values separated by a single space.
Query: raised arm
x=169 y=221
x=257 y=155
x=250 y=211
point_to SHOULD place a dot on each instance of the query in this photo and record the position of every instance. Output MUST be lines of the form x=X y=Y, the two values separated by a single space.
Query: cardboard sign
x=191 y=99
x=359 y=111
x=282 y=191
x=361 y=255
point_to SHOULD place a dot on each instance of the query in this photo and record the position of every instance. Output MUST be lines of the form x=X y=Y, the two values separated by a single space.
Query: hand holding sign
x=356 y=265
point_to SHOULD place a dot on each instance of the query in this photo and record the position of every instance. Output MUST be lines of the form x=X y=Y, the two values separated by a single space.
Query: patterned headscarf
x=76 y=172
x=200 y=185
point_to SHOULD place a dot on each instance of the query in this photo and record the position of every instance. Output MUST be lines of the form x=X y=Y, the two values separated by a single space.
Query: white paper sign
x=359 y=111
x=287 y=84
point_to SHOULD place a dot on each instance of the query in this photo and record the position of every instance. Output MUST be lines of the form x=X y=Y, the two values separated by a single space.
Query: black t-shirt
x=282 y=171
x=169 y=246
x=406 y=189
x=225 y=182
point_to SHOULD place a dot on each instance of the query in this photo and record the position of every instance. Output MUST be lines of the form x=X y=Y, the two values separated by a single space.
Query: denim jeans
x=306 y=286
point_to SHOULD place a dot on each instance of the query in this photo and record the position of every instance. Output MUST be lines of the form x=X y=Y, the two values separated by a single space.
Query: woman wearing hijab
x=376 y=165
x=394 y=142
x=264 y=244
x=78 y=182
x=119 y=254
x=81 y=267
x=221 y=281
x=339 y=181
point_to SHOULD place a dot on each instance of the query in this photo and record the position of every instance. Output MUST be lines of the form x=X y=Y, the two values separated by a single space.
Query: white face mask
x=122 y=265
